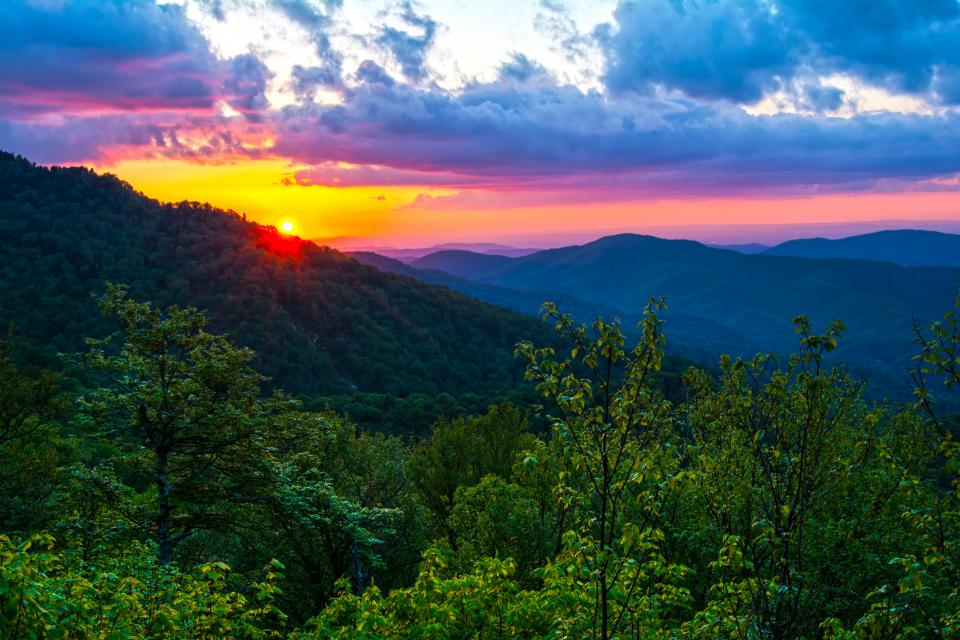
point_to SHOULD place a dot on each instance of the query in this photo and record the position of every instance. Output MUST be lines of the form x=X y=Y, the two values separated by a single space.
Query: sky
x=528 y=122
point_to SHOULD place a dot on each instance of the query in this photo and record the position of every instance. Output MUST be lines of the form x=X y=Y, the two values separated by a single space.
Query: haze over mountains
x=408 y=255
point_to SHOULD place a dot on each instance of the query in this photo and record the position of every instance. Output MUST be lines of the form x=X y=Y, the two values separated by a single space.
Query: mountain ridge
x=319 y=321
x=725 y=301
x=907 y=247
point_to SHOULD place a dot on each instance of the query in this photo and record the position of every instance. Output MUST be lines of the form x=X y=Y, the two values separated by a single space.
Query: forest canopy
x=178 y=497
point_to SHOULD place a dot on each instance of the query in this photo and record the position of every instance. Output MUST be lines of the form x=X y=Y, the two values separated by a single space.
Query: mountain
x=461 y=263
x=750 y=247
x=320 y=322
x=909 y=247
x=522 y=300
x=722 y=300
x=409 y=255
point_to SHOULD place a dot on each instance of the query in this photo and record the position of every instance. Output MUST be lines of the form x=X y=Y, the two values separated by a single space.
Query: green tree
x=798 y=487
x=932 y=578
x=47 y=594
x=497 y=519
x=483 y=603
x=30 y=405
x=460 y=452
x=329 y=502
x=618 y=472
x=184 y=404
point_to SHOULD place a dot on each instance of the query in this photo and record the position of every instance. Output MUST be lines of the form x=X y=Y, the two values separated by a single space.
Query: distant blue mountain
x=722 y=300
x=462 y=263
x=409 y=255
x=749 y=248
x=908 y=247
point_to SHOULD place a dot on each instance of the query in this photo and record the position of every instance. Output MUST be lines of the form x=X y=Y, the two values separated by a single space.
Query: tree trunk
x=165 y=540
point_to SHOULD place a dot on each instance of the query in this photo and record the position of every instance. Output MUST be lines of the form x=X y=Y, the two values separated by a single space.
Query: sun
x=286 y=226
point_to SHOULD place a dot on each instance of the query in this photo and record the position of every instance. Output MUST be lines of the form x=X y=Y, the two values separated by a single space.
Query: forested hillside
x=523 y=300
x=319 y=322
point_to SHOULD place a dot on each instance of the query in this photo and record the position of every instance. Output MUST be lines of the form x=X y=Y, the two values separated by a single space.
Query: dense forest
x=391 y=352
x=178 y=498
x=325 y=328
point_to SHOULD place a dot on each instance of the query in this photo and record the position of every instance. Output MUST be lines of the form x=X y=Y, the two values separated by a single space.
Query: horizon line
x=768 y=234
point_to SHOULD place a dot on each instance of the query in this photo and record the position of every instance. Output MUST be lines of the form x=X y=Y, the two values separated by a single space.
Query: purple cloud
x=541 y=133
x=80 y=79
x=107 y=55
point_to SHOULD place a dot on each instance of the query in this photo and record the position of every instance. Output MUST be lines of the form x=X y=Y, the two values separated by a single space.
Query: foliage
x=335 y=503
x=45 y=594
x=29 y=406
x=618 y=471
x=802 y=487
x=183 y=403
x=483 y=603
x=460 y=452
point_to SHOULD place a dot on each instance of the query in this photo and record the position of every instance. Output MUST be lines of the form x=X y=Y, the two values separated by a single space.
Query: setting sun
x=286 y=226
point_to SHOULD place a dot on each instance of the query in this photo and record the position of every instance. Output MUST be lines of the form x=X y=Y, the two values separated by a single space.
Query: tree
x=30 y=405
x=46 y=594
x=183 y=403
x=460 y=452
x=27 y=402
x=937 y=569
x=497 y=519
x=330 y=500
x=618 y=471
x=798 y=487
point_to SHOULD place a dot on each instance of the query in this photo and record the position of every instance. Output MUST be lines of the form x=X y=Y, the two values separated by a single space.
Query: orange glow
x=687 y=218
x=280 y=244
x=266 y=192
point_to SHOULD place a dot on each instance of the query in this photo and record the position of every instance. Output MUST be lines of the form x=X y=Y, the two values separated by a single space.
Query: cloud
x=370 y=72
x=741 y=50
x=339 y=175
x=247 y=84
x=316 y=18
x=520 y=68
x=104 y=56
x=409 y=49
x=117 y=56
x=83 y=80
x=93 y=81
x=537 y=134
x=554 y=21
x=104 y=139
x=820 y=98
